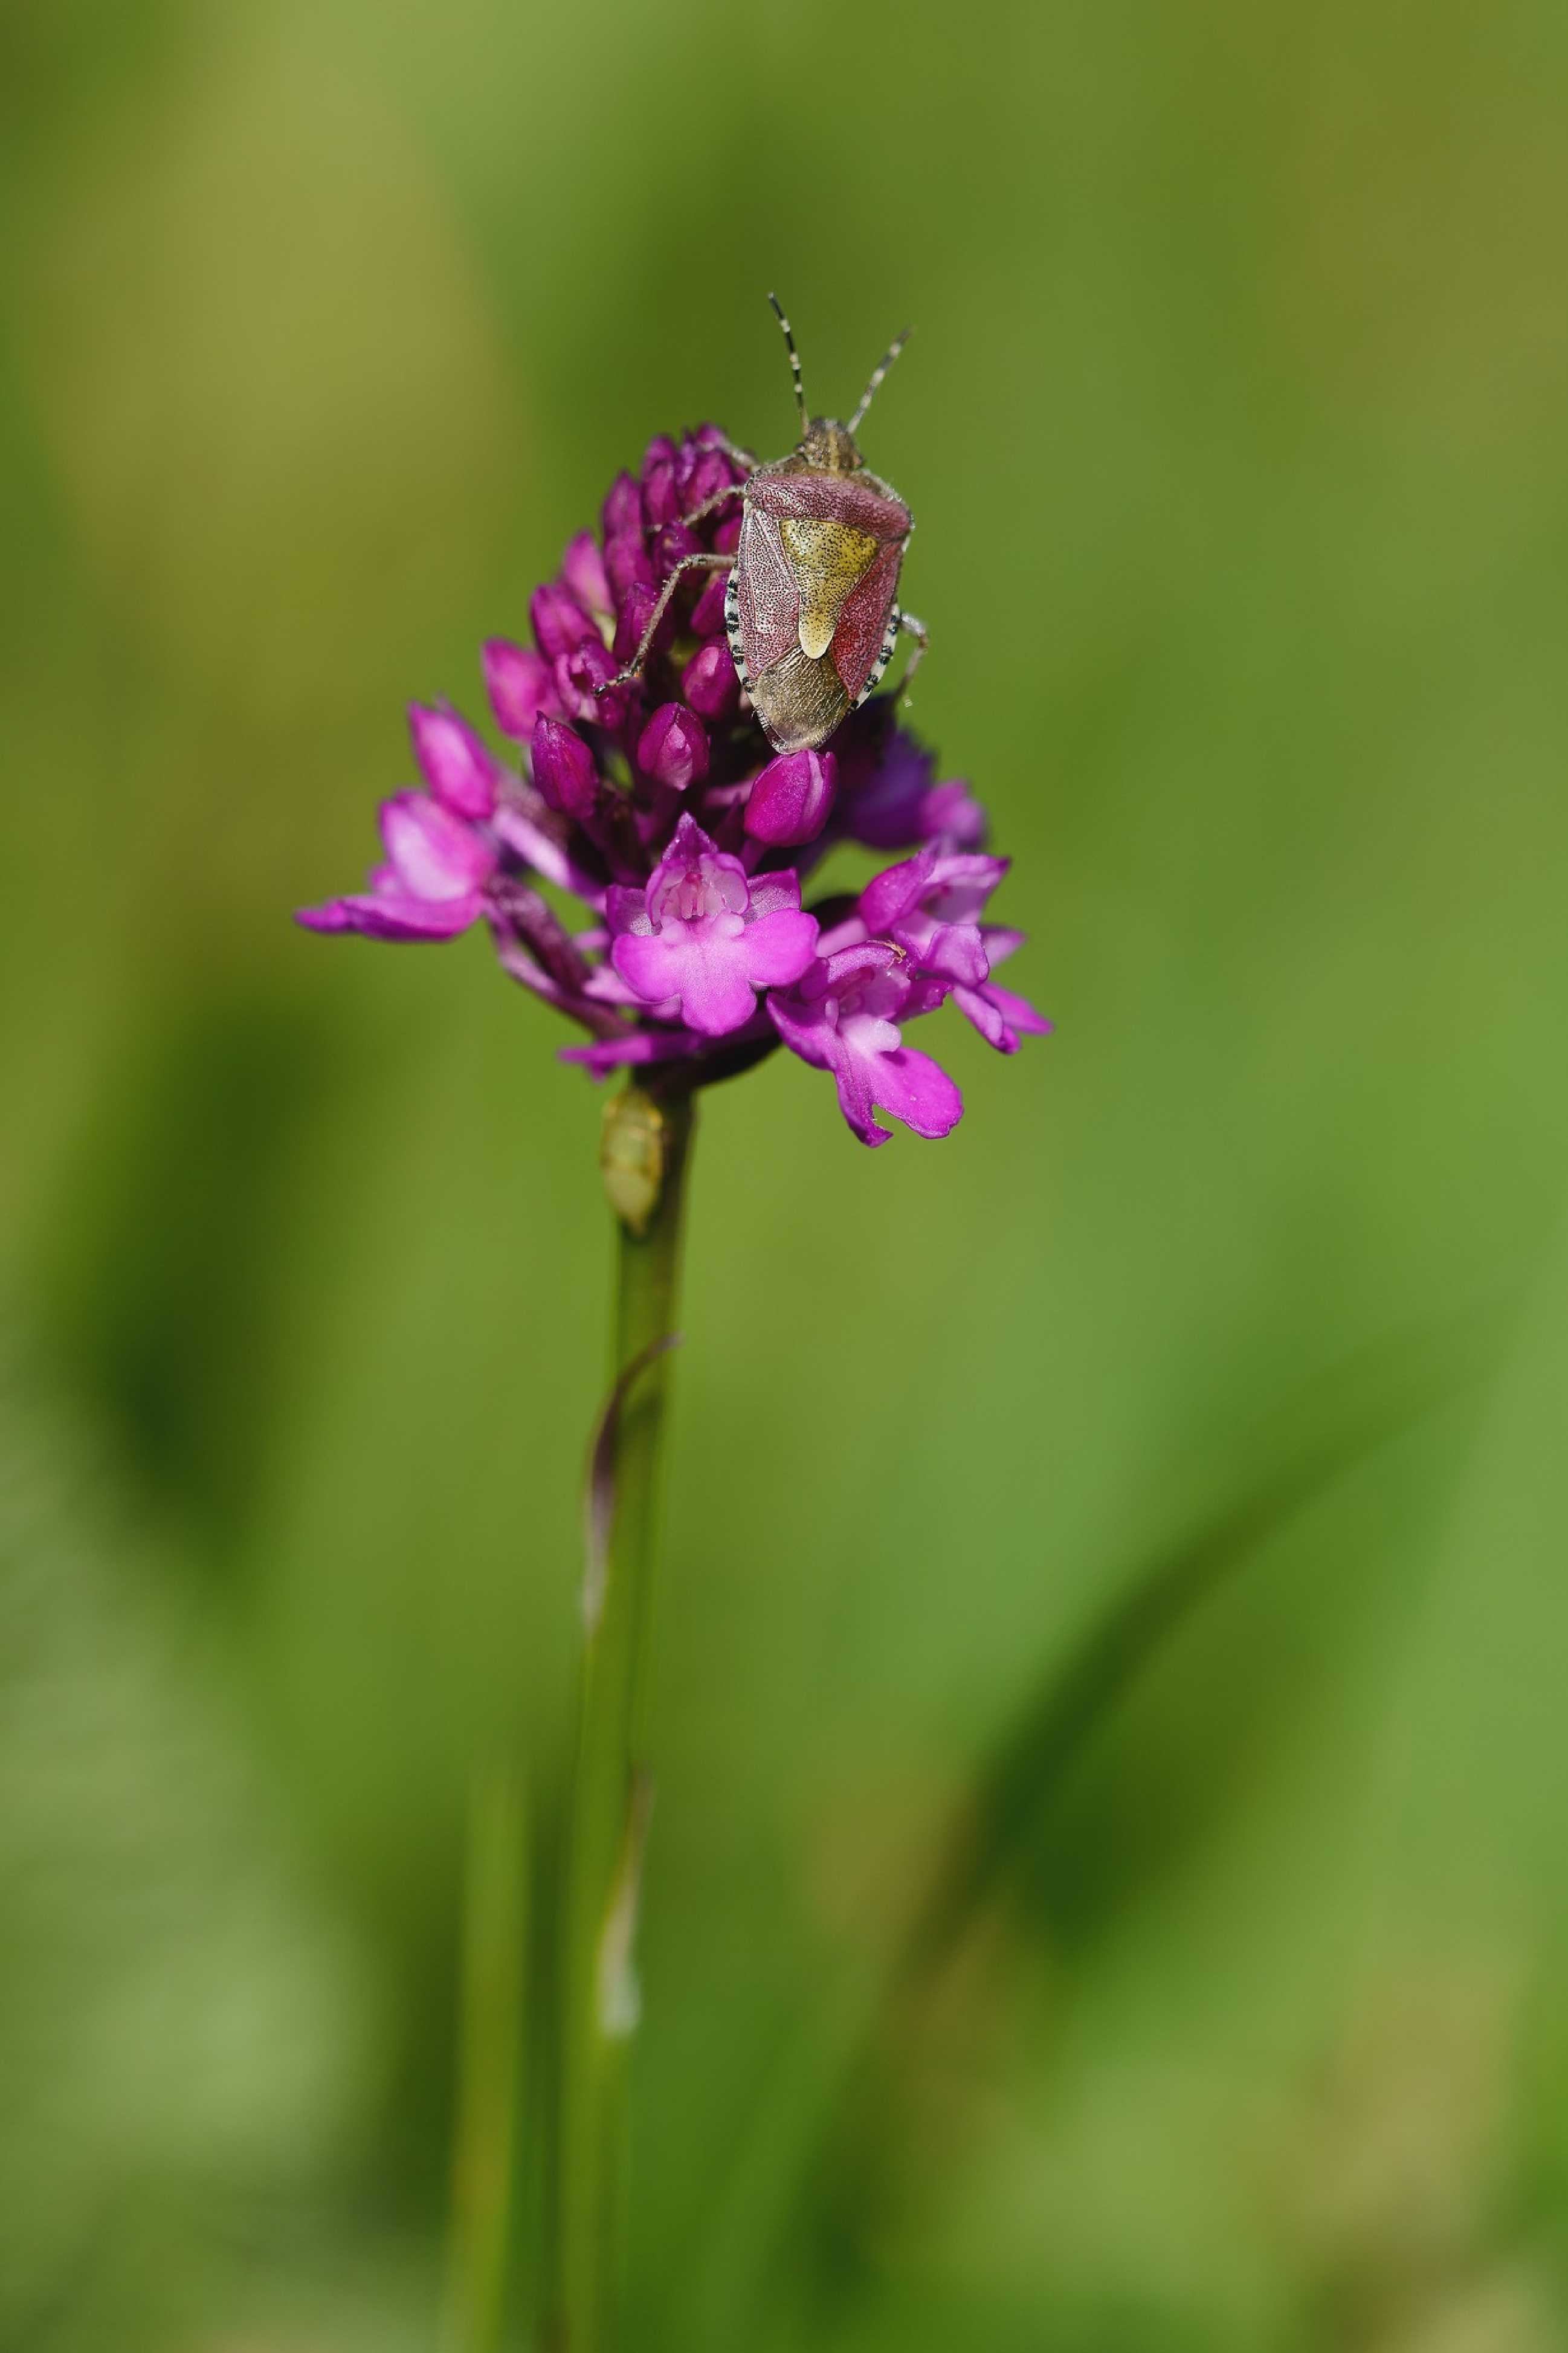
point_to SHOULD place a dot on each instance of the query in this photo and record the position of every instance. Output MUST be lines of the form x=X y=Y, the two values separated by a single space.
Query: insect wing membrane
x=767 y=598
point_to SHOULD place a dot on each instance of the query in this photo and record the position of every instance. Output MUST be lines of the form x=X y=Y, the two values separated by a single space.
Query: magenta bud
x=673 y=748
x=727 y=534
x=671 y=544
x=563 y=768
x=578 y=676
x=583 y=570
x=559 y=621
x=628 y=564
x=637 y=612
x=520 y=685
x=660 y=491
x=622 y=508
x=709 y=473
x=791 y=797
x=708 y=613
x=457 y=767
x=710 y=684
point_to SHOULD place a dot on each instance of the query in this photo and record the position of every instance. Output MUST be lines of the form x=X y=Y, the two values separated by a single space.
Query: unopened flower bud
x=791 y=798
x=623 y=507
x=637 y=612
x=710 y=684
x=559 y=621
x=583 y=570
x=708 y=613
x=627 y=565
x=580 y=675
x=673 y=747
x=563 y=768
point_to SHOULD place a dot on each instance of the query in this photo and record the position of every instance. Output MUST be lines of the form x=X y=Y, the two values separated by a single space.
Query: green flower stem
x=644 y=1160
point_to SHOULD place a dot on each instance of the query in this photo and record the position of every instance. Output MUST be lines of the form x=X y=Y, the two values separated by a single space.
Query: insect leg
x=922 y=635
x=633 y=669
x=711 y=506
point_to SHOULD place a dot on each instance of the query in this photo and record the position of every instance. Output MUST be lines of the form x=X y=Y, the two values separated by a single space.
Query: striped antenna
x=793 y=361
x=877 y=373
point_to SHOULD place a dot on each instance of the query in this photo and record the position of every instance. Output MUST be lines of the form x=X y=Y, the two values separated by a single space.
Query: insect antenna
x=794 y=364
x=877 y=373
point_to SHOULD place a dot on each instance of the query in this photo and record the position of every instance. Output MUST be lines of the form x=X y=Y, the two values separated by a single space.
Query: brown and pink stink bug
x=811 y=607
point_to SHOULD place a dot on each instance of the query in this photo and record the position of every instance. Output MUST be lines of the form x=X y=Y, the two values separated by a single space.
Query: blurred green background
x=1156 y=1496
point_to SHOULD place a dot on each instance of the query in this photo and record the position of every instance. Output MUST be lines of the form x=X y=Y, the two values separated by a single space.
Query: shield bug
x=811 y=609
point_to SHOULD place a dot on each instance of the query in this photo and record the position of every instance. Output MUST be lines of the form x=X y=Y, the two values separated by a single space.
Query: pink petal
x=582 y=569
x=771 y=891
x=384 y=915
x=436 y=855
x=702 y=964
x=975 y=1006
x=1018 y=1011
x=805 y=1030
x=521 y=684
x=778 y=947
x=852 y=1078
x=910 y=1086
x=715 y=995
x=457 y=766
x=648 y=964
x=894 y=893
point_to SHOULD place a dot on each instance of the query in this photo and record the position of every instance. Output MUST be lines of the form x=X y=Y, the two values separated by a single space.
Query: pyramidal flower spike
x=687 y=843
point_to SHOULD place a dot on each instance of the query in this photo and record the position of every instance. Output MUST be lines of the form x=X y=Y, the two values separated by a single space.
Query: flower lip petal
x=910 y=1086
x=698 y=965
